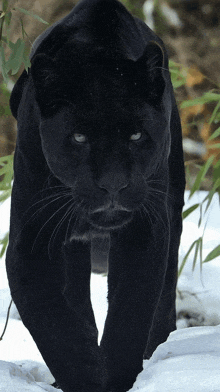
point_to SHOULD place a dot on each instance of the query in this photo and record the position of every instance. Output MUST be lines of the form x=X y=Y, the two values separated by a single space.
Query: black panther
x=98 y=160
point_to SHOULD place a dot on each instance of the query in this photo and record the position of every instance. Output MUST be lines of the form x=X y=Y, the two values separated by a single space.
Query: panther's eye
x=79 y=138
x=136 y=136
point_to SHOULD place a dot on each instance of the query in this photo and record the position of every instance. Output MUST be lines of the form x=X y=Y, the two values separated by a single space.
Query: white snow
x=189 y=361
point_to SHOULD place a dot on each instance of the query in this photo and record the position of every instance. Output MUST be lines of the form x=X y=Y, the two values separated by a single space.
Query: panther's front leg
x=138 y=262
x=57 y=311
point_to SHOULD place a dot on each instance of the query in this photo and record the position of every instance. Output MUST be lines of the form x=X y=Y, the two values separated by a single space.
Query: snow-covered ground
x=190 y=359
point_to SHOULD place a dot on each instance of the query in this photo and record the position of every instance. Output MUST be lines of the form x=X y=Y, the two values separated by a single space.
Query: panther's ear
x=16 y=94
x=45 y=77
x=150 y=80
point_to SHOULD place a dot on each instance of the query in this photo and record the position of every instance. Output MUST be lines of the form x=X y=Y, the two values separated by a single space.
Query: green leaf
x=7 y=158
x=200 y=250
x=197 y=247
x=5 y=5
x=3 y=170
x=210 y=96
x=4 y=105
x=201 y=175
x=26 y=61
x=22 y=29
x=215 y=134
x=6 y=170
x=16 y=57
x=5 y=91
x=211 y=193
x=217 y=145
x=186 y=257
x=32 y=15
x=3 y=65
x=213 y=254
x=178 y=83
x=214 y=113
x=5 y=111
x=217 y=164
x=200 y=217
x=5 y=195
x=5 y=184
x=205 y=98
x=191 y=102
x=216 y=171
x=4 y=242
x=8 y=16
x=189 y=210
x=177 y=76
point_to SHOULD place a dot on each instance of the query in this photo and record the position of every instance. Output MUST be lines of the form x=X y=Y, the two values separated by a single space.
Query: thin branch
x=6 y=323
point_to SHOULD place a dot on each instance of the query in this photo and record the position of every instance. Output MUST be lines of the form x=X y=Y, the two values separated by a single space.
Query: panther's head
x=104 y=130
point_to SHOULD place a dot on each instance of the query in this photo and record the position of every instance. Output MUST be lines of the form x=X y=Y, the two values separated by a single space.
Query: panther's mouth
x=110 y=219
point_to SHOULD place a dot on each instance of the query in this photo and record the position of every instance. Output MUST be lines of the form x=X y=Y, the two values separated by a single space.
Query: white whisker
x=59 y=224
x=48 y=220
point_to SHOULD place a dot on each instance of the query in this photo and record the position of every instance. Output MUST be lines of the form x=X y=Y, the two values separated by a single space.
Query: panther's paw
x=55 y=385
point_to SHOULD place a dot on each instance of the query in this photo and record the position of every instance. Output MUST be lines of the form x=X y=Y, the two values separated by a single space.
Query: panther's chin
x=108 y=220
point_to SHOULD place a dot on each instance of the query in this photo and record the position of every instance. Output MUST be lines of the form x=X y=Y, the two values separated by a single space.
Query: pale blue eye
x=79 y=138
x=136 y=136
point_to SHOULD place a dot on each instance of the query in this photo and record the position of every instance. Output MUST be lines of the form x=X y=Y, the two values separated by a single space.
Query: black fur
x=98 y=161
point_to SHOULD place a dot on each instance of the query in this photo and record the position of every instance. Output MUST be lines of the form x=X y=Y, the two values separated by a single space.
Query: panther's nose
x=113 y=182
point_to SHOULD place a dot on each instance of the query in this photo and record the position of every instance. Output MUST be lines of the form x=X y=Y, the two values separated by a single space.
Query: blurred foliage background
x=190 y=30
